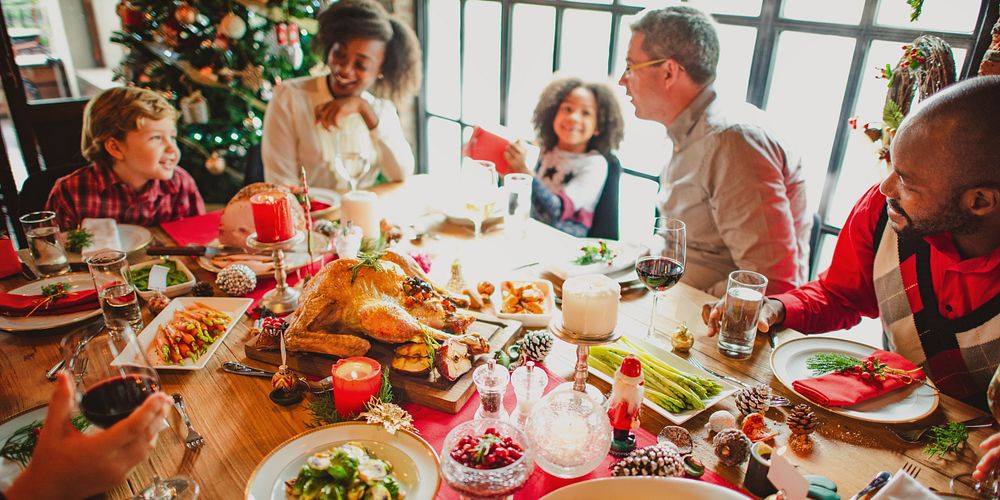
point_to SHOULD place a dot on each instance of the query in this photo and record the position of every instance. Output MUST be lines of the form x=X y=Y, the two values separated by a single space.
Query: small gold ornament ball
x=186 y=14
x=215 y=164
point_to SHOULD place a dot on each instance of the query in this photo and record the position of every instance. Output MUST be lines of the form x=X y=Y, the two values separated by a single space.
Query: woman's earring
x=380 y=75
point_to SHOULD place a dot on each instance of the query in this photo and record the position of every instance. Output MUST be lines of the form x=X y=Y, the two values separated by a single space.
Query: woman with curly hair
x=374 y=61
x=578 y=125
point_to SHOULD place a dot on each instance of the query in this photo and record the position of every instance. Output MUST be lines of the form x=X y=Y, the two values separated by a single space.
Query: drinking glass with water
x=738 y=329
x=113 y=282
x=518 y=190
x=46 y=247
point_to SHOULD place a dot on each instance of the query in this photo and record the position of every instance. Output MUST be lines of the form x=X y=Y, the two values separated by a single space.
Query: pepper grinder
x=491 y=381
x=529 y=384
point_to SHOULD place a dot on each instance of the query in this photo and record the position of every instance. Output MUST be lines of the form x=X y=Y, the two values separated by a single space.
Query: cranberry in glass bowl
x=486 y=459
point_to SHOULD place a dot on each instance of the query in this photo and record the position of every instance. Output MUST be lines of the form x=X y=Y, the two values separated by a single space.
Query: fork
x=776 y=401
x=193 y=441
x=916 y=435
x=912 y=469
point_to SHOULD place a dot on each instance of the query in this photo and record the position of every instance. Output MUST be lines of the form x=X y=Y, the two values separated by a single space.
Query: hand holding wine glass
x=86 y=464
x=662 y=269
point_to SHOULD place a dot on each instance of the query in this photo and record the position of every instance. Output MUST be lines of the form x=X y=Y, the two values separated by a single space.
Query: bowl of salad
x=180 y=280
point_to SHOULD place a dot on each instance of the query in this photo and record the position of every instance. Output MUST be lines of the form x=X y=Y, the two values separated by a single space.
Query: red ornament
x=281 y=32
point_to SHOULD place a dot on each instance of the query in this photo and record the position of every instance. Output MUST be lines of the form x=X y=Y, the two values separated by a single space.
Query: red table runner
x=434 y=427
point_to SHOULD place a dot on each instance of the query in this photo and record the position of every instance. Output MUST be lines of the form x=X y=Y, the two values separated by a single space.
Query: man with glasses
x=739 y=191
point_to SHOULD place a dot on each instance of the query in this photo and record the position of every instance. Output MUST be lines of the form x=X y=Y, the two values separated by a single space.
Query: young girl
x=578 y=124
x=374 y=59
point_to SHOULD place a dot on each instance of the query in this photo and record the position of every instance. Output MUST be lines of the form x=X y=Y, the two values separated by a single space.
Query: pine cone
x=732 y=447
x=661 y=459
x=756 y=399
x=536 y=345
x=203 y=289
x=802 y=420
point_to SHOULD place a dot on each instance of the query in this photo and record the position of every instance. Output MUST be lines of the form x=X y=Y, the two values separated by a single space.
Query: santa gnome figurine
x=624 y=405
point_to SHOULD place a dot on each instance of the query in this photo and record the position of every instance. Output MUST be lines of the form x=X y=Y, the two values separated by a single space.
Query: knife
x=207 y=251
x=317 y=387
x=876 y=484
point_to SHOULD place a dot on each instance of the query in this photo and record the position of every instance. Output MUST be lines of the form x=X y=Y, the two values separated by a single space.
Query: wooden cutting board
x=441 y=395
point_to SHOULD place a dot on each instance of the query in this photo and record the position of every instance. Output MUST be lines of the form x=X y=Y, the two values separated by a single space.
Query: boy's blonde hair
x=115 y=112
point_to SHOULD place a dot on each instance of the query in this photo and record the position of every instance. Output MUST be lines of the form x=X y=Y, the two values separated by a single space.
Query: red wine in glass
x=659 y=273
x=111 y=400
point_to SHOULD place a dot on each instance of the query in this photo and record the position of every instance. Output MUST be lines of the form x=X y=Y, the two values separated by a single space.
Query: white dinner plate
x=9 y=469
x=295 y=259
x=132 y=237
x=414 y=462
x=328 y=196
x=234 y=307
x=643 y=487
x=680 y=364
x=77 y=282
x=909 y=404
x=625 y=256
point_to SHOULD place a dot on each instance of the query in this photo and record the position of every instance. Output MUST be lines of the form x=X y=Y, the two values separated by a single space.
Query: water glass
x=517 y=187
x=744 y=297
x=478 y=181
x=46 y=246
x=113 y=282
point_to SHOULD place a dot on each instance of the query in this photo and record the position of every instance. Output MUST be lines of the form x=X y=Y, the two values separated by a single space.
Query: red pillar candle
x=355 y=381
x=272 y=217
x=9 y=262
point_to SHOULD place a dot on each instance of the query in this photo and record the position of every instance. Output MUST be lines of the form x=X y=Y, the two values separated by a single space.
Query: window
x=810 y=65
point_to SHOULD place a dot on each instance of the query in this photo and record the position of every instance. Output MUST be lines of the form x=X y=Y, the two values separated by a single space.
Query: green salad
x=140 y=277
x=345 y=472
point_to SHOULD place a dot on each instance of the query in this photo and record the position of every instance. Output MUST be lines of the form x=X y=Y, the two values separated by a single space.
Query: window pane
x=735 y=7
x=636 y=208
x=827 y=243
x=958 y=16
x=531 y=64
x=442 y=59
x=736 y=44
x=444 y=146
x=842 y=11
x=481 y=69
x=805 y=99
x=861 y=168
x=584 y=45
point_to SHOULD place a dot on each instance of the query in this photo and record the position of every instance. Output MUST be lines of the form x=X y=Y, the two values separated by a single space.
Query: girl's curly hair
x=610 y=124
x=351 y=19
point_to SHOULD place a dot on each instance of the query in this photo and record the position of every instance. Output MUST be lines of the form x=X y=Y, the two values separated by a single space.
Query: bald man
x=922 y=249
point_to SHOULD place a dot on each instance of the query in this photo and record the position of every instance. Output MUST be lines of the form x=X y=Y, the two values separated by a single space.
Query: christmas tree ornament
x=662 y=460
x=232 y=26
x=236 y=280
x=294 y=47
x=166 y=34
x=185 y=13
x=624 y=405
x=215 y=164
x=457 y=282
x=732 y=447
x=194 y=108
x=252 y=77
x=285 y=385
x=719 y=420
x=281 y=34
x=682 y=339
x=678 y=436
x=208 y=73
x=802 y=421
x=756 y=399
x=536 y=345
x=131 y=16
x=392 y=416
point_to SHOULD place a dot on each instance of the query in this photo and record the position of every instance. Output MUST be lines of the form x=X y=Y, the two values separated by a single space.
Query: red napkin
x=485 y=145
x=12 y=304
x=848 y=388
x=197 y=230
x=435 y=425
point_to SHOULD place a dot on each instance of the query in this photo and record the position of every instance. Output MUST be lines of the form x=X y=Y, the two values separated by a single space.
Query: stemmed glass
x=113 y=377
x=355 y=152
x=990 y=487
x=661 y=270
x=478 y=180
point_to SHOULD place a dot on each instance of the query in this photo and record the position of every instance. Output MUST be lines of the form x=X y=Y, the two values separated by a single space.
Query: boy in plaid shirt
x=129 y=134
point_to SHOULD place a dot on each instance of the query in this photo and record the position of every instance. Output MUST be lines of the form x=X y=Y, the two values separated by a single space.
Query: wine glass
x=113 y=377
x=990 y=487
x=663 y=269
x=355 y=152
x=478 y=183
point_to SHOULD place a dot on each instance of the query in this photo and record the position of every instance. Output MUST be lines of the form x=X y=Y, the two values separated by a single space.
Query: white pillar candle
x=590 y=305
x=359 y=208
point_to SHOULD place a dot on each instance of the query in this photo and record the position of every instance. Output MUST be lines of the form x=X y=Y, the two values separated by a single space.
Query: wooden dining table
x=241 y=425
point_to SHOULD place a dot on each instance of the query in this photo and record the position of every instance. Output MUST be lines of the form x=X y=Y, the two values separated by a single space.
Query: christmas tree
x=217 y=62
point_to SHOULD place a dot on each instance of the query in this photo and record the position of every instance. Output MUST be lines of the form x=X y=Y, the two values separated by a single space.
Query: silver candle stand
x=283 y=298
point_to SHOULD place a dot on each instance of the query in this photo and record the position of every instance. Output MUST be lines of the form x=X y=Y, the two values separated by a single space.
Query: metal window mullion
x=613 y=43
x=506 y=42
x=461 y=61
x=763 y=53
x=557 y=39
x=423 y=33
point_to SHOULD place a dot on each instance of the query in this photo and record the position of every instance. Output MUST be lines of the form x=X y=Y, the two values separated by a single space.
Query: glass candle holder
x=529 y=384
x=355 y=381
x=570 y=433
x=491 y=381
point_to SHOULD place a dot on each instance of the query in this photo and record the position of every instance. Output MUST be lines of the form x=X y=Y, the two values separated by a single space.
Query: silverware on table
x=207 y=251
x=917 y=435
x=27 y=272
x=775 y=401
x=912 y=469
x=316 y=387
x=90 y=331
x=873 y=486
x=194 y=440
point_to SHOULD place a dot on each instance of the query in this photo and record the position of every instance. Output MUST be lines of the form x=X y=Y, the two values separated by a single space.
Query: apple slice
x=452 y=359
x=412 y=359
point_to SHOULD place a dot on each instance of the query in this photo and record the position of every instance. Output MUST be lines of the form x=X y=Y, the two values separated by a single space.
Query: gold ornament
x=186 y=14
x=682 y=340
x=215 y=164
x=392 y=416
x=167 y=35
x=252 y=77
x=233 y=26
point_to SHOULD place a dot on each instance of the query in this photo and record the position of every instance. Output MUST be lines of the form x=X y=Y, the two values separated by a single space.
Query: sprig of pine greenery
x=892 y=116
x=323 y=412
x=827 y=362
x=367 y=259
x=77 y=239
x=946 y=438
x=592 y=254
x=21 y=444
x=916 y=8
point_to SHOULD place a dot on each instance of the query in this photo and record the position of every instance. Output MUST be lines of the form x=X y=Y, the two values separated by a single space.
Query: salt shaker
x=491 y=381
x=529 y=384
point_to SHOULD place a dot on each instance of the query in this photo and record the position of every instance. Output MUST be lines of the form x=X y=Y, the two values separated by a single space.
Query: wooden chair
x=606 y=213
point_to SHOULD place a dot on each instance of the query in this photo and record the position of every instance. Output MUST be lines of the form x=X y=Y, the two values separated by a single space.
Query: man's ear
x=982 y=201
x=114 y=148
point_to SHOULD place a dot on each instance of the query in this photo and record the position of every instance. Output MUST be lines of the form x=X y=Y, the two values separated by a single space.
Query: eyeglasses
x=630 y=68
